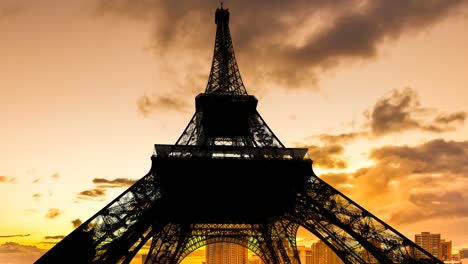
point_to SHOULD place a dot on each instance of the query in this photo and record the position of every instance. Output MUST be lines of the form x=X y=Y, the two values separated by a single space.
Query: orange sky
x=376 y=89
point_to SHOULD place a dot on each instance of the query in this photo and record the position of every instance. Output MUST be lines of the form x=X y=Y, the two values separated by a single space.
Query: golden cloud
x=115 y=183
x=53 y=213
x=92 y=193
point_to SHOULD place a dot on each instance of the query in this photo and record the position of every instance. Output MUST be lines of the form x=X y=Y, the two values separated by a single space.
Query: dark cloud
x=7 y=179
x=286 y=42
x=431 y=205
x=53 y=213
x=54 y=237
x=394 y=112
x=150 y=104
x=444 y=122
x=92 y=193
x=398 y=111
x=37 y=195
x=7 y=236
x=115 y=183
x=401 y=110
x=76 y=223
x=55 y=176
x=449 y=118
x=435 y=156
x=327 y=156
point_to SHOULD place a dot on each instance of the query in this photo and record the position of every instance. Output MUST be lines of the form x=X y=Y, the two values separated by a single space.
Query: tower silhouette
x=229 y=179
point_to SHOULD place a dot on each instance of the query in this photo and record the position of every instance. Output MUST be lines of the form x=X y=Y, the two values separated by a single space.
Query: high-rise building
x=429 y=242
x=305 y=255
x=445 y=250
x=463 y=253
x=226 y=253
x=322 y=254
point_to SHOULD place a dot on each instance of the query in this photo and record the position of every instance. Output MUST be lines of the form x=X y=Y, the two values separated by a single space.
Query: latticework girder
x=269 y=241
x=260 y=135
x=116 y=232
x=356 y=235
x=224 y=75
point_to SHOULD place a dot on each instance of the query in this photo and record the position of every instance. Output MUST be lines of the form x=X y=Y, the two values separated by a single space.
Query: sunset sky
x=377 y=90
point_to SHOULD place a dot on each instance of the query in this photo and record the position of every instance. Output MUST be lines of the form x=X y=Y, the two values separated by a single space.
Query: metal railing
x=184 y=151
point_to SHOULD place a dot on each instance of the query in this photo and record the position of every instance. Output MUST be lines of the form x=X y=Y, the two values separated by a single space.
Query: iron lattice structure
x=229 y=179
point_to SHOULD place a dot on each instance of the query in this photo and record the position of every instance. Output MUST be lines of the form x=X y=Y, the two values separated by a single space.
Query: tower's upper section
x=224 y=75
x=225 y=114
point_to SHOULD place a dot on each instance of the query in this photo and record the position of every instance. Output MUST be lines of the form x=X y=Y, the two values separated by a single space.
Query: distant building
x=225 y=253
x=305 y=255
x=429 y=242
x=445 y=250
x=463 y=253
x=322 y=254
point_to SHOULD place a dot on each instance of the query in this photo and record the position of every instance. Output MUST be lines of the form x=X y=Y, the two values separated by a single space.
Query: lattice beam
x=356 y=235
x=224 y=74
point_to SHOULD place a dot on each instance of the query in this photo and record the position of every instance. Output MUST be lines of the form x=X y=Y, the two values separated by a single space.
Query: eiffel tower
x=228 y=178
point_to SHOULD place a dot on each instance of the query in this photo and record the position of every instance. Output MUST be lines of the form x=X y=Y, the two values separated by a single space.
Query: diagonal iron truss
x=260 y=135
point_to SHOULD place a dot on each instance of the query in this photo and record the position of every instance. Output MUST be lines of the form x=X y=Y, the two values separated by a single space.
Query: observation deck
x=228 y=184
x=217 y=152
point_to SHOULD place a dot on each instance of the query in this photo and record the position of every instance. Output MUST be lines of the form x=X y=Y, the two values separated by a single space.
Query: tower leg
x=116 y=232
x=352 y=232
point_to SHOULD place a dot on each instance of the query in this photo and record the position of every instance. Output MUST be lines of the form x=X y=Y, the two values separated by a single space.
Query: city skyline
x=318 y=252
x=89 y=87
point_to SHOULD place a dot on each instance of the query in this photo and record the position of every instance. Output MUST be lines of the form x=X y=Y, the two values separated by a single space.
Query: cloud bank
x=14 y=253
x=431 y=177
x=290 y=43
x=114 y=183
